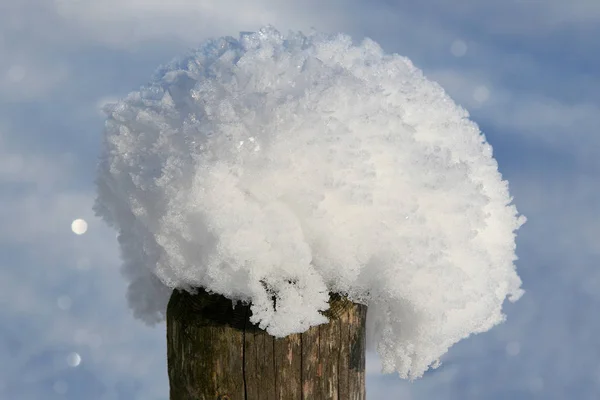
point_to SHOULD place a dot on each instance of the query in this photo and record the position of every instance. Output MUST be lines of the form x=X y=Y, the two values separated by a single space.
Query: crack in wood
x=214 y=350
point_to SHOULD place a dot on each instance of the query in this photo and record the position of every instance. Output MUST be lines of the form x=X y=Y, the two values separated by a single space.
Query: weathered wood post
x=215 y=353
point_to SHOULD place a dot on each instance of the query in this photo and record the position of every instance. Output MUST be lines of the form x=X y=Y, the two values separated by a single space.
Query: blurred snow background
x=527 y=72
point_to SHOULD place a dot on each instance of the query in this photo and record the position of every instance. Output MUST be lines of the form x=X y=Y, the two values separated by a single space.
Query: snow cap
x=291 y=166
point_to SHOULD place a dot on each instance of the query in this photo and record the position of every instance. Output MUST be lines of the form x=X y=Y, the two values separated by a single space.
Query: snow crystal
x=289 y=166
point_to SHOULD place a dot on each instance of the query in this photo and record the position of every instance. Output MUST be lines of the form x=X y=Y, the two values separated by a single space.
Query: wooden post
x=215 y=353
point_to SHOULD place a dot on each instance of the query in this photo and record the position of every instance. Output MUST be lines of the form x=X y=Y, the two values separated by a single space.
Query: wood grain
x=215 y=353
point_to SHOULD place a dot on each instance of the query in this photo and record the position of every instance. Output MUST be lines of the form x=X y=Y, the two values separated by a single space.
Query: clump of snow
x=289 y=166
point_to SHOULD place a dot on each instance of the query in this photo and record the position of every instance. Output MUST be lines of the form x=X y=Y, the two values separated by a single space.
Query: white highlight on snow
x=292 y=166
x=73 y=360
x=458 y=48
x=79 y=226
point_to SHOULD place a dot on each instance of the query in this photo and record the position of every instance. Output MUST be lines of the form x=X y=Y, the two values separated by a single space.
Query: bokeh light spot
x=60 y=387
x=73 y=360
x=83 y=264
x=481 y=94
x=79 y=226
x=536 y=385
x=64 y=302
x=16 y=73
x=458 y=48
x=513 y=349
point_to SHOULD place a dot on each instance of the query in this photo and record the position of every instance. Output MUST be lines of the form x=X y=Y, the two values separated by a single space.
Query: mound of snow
x=292 y=166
